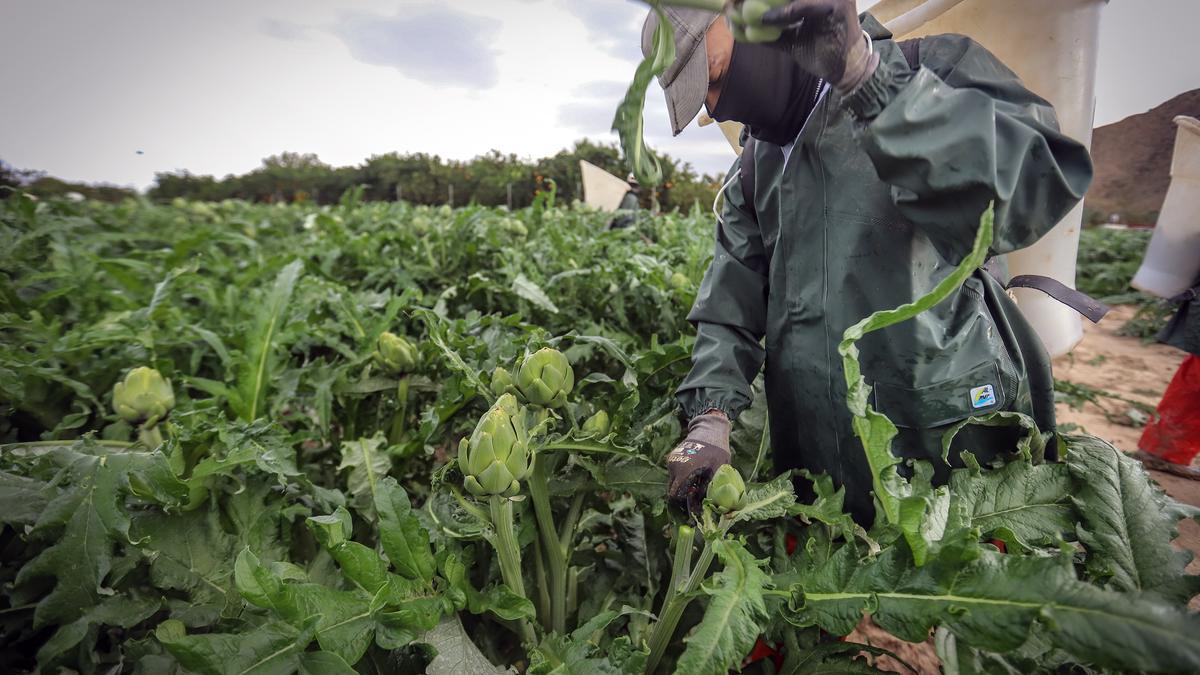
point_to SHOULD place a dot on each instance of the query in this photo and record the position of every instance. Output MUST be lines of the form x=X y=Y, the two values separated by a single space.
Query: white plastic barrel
x=1172 y=261
x=1052 y=46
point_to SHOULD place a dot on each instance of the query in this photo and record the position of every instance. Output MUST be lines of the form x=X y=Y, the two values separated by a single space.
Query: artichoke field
x=382 y=439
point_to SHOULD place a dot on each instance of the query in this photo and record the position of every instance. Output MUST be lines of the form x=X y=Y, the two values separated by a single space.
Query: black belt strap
x=1081 y=302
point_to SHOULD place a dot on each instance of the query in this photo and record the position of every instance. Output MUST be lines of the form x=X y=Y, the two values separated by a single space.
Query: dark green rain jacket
x=880 y=199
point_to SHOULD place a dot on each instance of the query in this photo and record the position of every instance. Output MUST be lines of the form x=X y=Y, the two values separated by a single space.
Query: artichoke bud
x=396 y=354
x=515 y=227
x=679 y=280
x=502 y=382
x=545 y=378
x=597 y=425
x=144 y=397
x=495 y=458
x=727 y=489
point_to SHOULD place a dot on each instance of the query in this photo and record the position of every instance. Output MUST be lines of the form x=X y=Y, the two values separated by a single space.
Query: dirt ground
x=1139 y=372
x=1110 y=363
x=1118 y=365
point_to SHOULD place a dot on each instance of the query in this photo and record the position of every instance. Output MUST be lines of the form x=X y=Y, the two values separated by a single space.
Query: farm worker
x=1172 y=439
x=872 y=164
x=627 y=209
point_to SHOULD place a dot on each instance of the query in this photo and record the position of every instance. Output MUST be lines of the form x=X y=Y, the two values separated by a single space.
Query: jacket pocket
x=980 y=391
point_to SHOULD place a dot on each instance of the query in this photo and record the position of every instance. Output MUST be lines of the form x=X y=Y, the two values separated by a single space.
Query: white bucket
x=1172 y=262
x=1052 y=46
x=601 y=189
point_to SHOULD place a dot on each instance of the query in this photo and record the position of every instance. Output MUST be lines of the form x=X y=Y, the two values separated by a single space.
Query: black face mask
x=767 y=91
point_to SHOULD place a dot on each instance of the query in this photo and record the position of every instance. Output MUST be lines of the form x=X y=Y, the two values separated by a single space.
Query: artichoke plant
x=545 y=378
x=496 y=457
x=727 y=489
x=144 y=398
x=597 y=425
x=396 y=354
x=502 y=382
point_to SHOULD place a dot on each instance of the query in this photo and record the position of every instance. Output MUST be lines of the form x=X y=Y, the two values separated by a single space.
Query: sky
x=117 y=90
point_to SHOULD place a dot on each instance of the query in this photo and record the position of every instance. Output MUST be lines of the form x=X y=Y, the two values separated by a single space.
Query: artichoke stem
x=556 y=557
x=674 y=604
x=400 y=416
x=150 y=436
x=543 y=588
x=509 y=554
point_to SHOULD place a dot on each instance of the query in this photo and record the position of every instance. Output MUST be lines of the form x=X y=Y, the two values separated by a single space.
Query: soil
x=1110 y=363
x=1133 y=160
x=1117 y=365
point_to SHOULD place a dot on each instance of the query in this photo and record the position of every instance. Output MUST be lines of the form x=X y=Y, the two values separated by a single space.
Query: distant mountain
x=1133 y=159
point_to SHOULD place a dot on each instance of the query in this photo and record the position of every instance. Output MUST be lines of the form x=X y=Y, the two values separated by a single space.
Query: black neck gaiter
x=768 y=92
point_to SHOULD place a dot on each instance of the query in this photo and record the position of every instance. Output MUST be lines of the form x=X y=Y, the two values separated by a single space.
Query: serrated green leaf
x=734 y=618
x=118 y=611
x=766 y=501
x=1032 y=502
x=456 y=654
x=91 y=513
x=530 y=291
x=21 y=499
x=369 y=463
x=346 y=620
x=1127 y=523
x=190 y=552
x=829 y=508
x=259 y=360
x=273 y=648
x=995 y=602
x=404 y=540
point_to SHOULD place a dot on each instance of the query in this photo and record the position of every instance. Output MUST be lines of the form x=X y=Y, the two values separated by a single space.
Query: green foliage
x=304 y=510
x=491 y=179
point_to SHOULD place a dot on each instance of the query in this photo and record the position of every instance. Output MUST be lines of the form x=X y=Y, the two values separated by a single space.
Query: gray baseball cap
x=685 y=82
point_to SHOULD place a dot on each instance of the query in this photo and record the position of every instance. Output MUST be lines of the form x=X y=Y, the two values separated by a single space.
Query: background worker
x=627 y=209
x=1171 y=441
x=871 y=169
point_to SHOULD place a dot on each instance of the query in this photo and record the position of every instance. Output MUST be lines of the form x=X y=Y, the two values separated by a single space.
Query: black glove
x=826 y=39
x=691 y=465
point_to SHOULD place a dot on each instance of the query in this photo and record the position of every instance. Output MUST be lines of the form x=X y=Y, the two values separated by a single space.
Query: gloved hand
x=826 y=39
x=690 y=466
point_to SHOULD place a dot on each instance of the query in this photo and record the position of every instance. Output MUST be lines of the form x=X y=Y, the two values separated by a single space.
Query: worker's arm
x=962 y=132
x=729 y=315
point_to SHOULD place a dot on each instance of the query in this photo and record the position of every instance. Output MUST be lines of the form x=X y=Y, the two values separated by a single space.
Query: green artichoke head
x=545 y=378
x=496 y=457
x=727 y=489
x=502 y=382
x=396 y=354
x=143 y=397
x=597 y=425
x=679 y=280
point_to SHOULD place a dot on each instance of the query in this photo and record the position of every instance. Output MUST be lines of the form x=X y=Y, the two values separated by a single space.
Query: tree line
x=492 y=179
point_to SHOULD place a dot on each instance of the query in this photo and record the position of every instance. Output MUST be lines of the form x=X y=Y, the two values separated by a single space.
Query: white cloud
x=415 y=43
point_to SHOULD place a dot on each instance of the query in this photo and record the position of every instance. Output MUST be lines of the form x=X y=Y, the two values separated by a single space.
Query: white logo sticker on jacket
x=982 y=397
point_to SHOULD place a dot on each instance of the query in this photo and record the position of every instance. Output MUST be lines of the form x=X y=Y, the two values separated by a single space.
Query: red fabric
x=762 y=651
x=1174 y=434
